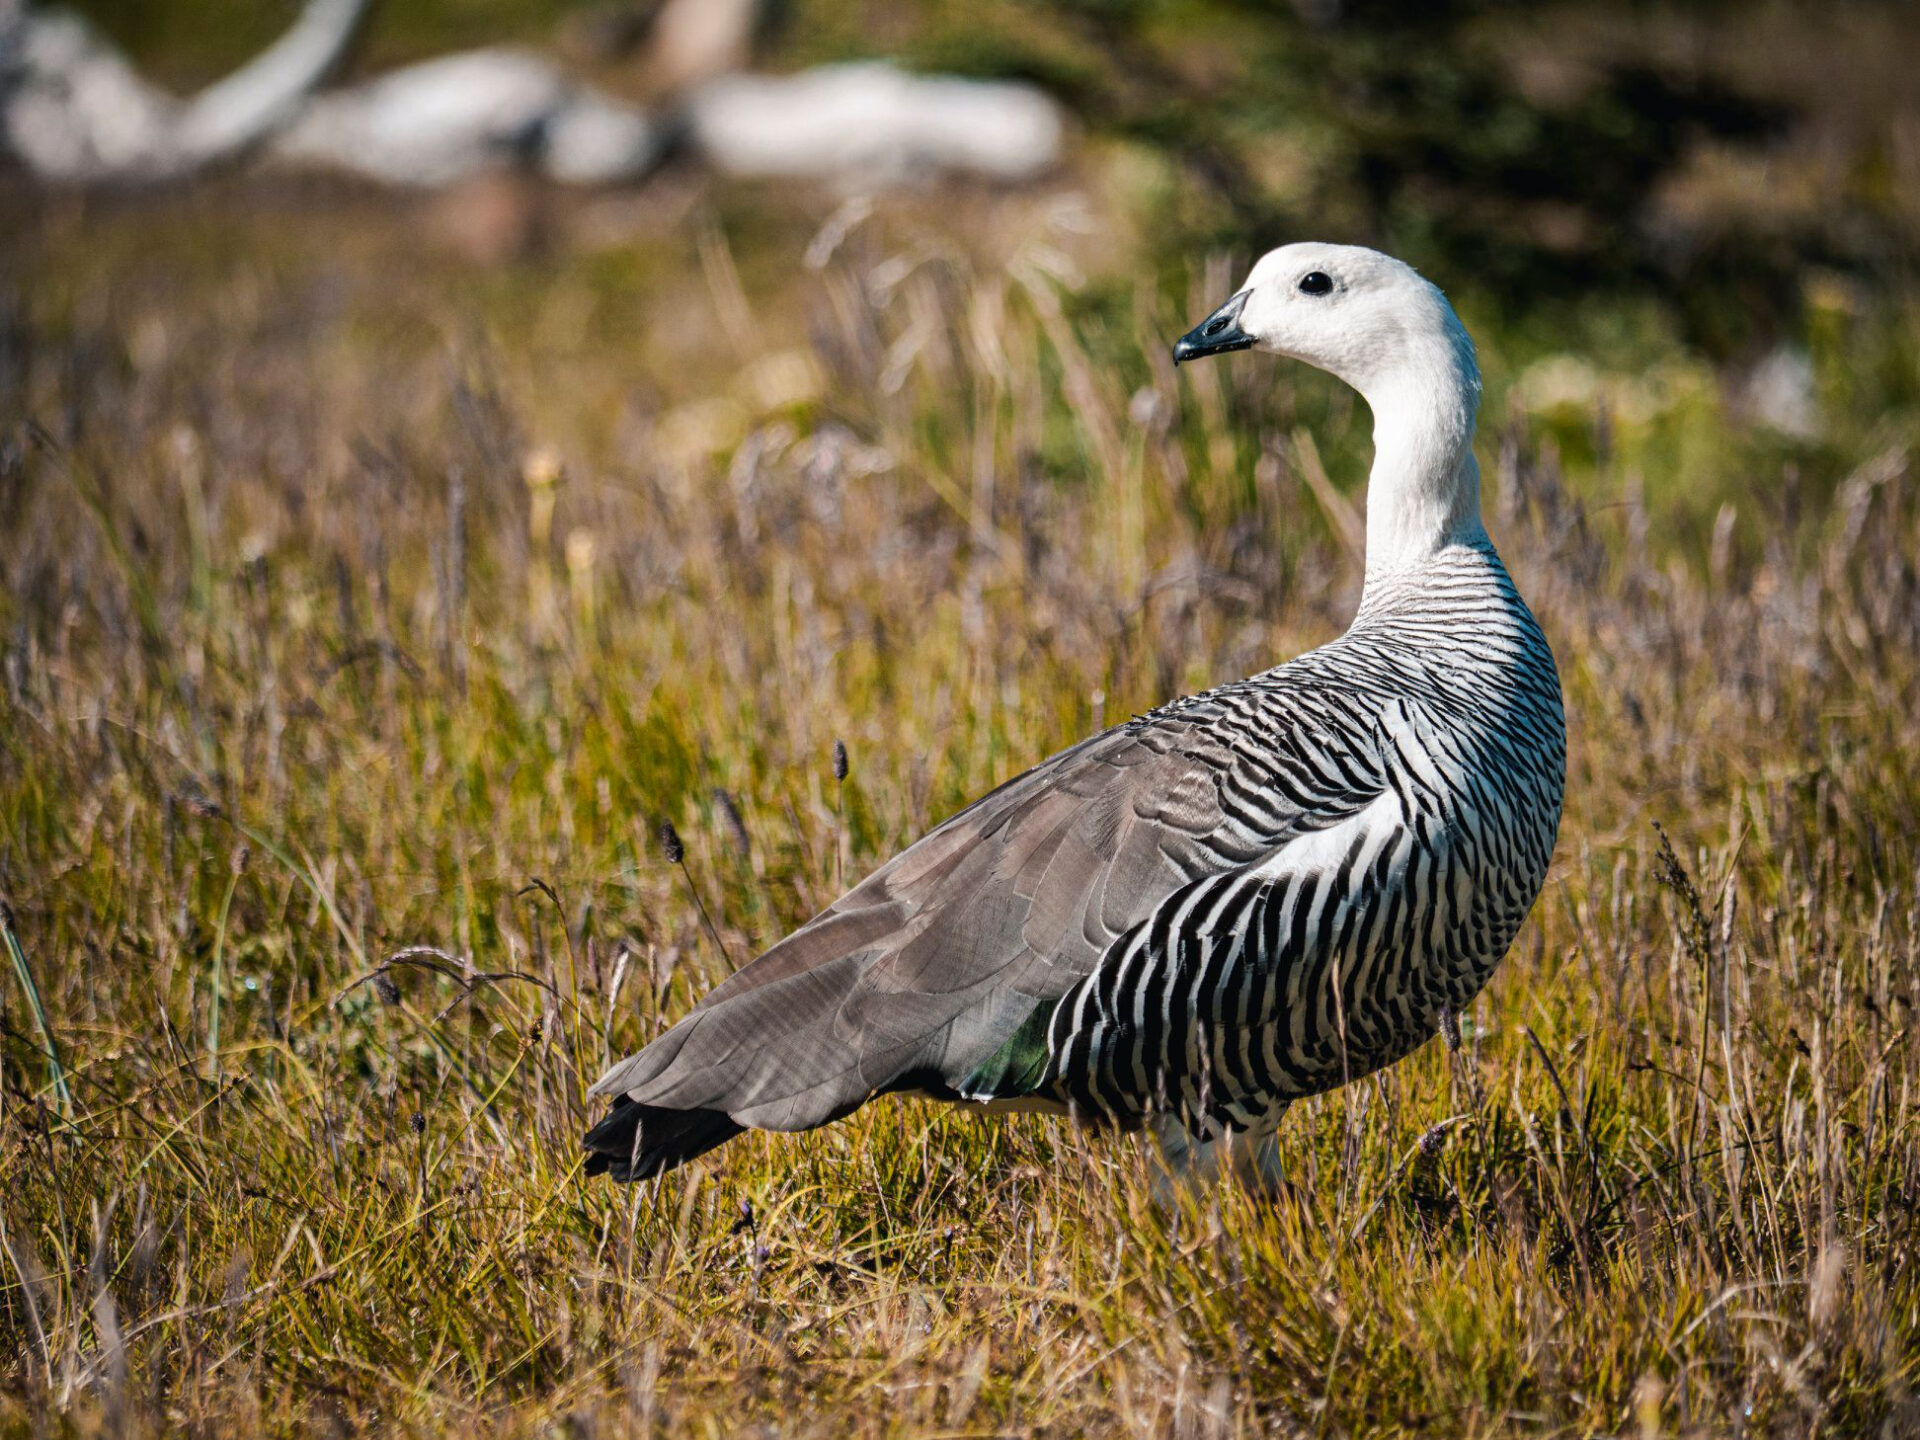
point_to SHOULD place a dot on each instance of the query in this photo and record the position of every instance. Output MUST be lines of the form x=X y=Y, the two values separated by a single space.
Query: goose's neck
x=1424 y=492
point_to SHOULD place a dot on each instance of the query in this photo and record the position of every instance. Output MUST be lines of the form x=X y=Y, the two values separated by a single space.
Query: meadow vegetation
x=366 y=611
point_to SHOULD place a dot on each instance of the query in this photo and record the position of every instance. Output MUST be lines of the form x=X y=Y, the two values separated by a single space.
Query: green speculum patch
x=1018 y=1067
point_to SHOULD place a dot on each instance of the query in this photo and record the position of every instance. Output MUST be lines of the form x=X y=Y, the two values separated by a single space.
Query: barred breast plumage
x=1247 y=896
x=1390 y=806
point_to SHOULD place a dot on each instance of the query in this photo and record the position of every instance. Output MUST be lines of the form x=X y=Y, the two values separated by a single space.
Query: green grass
x=307 y=662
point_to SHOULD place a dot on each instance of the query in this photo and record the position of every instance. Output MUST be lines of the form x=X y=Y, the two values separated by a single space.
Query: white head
x=1374 y=322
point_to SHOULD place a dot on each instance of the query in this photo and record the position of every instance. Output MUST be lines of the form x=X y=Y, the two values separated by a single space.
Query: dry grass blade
x=30 y=990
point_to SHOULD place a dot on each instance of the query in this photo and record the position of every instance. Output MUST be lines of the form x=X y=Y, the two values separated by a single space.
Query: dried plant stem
x=676 y=853
x=217 y=978
x=840 y=767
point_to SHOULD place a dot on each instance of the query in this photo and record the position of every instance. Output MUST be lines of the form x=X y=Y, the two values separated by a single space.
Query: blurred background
x=1723 y=187
x=565 y=251
x=443 y=440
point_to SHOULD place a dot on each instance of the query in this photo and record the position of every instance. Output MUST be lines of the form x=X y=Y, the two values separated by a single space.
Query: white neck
x=1424 y=492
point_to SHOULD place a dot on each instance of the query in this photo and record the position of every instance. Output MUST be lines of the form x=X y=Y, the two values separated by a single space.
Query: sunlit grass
x=333 y=628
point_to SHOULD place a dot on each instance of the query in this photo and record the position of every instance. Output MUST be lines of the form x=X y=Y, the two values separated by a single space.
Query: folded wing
x=919 y=975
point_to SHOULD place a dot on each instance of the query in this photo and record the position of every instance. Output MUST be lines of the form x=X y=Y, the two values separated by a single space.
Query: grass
x=354 y=657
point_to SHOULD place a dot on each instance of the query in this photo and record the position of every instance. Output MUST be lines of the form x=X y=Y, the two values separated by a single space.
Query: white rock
x=447 y=119
x=595 y=141
x=71 y=106
x=73 y=109
x=872 y=121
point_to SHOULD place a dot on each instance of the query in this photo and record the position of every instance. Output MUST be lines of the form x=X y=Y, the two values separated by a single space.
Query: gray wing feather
x=928 y=965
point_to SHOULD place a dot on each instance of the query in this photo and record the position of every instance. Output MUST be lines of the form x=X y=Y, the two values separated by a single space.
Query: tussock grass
x=353 y=662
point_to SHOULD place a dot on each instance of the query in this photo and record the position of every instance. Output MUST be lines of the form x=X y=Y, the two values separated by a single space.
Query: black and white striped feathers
x=1392 y=802
x=1247 y=896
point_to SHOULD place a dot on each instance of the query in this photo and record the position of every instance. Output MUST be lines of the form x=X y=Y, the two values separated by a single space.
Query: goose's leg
x=1190 y=1161
x=1254 y=1155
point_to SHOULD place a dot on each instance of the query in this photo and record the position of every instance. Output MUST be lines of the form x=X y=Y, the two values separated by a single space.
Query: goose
x=1247 y=896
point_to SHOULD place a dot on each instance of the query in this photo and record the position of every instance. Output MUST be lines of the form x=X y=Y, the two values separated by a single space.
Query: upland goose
x=1247 y=896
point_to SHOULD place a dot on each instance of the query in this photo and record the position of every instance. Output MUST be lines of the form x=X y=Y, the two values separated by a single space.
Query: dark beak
x=1217 y=334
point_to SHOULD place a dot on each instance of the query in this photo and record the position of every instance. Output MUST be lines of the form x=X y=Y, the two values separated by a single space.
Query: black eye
x=1316 y=282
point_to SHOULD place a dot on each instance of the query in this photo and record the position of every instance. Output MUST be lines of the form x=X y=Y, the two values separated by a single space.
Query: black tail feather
x=637 y=1142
